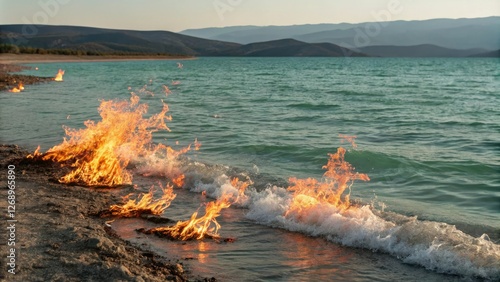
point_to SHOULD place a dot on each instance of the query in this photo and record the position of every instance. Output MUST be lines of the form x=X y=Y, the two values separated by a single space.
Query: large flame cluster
x=100 y=153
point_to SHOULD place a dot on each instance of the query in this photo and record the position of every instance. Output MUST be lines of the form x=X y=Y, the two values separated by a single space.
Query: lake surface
x=428 y=136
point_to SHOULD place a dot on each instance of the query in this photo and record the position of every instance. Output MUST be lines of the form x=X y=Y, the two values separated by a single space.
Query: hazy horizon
x=191 y=14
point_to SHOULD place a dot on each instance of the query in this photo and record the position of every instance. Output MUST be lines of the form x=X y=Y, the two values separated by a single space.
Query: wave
x=437 y=246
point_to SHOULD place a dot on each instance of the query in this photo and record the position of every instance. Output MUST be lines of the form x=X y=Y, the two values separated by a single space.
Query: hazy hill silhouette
x=448 y=33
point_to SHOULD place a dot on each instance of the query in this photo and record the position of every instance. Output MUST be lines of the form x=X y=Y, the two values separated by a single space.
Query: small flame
x=350 y=139
x=196 y=228
x=240 y=185
x=338 y=177
x=145 y=205
x=179 y=181
x=59 y=75
x=176 y=82
x=17 y=89
x=100 y=152
x=166 y=90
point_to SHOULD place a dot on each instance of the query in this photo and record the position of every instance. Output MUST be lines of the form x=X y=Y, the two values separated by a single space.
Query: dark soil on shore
x=9 y=80
x=59 y=235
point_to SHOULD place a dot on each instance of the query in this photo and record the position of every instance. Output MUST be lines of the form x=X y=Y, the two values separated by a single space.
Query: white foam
x=434 y=245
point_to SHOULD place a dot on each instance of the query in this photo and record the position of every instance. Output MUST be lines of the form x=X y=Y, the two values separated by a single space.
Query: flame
x=197 y=228
x=179 y=181
x=350 y=139
x=144 y=205
x=166 y=90
x=176 y=82
x=59 y=75
x=338 y=177
x=240 y=185
x=101 y=152
x=17 y=89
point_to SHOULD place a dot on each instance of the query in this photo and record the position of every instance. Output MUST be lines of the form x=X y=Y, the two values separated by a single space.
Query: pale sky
x=177 y=15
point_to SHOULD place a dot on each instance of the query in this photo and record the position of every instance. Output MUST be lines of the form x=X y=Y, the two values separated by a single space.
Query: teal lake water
x=428 y=136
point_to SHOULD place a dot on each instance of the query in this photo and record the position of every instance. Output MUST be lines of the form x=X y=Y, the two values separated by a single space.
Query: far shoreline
x=7 y=58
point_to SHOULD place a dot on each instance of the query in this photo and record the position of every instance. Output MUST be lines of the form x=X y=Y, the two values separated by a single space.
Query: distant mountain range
x=482 y=33
x=155 y=42
x=424 y=50
x=476 y=40
x=110 y=40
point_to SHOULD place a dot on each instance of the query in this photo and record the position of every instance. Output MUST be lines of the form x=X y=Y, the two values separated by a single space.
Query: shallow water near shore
x=427 y=129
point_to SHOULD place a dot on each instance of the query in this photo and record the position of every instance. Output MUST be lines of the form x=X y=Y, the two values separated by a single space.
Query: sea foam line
x=437 y=246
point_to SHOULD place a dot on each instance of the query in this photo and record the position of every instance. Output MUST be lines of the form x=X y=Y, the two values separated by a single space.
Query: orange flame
x=350 y=139
x=240 y=185
x=101 y=152
x=179 y=181
x=17 y=89
x=338 y=177
x=197 y=228
x=144 y=205
x=59 y=75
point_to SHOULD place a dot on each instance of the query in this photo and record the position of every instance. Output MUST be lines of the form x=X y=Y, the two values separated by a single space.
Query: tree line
x=14 y=49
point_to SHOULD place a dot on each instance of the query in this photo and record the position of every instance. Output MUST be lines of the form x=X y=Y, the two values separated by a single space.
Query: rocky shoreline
x=9 y=80
x=59 y=236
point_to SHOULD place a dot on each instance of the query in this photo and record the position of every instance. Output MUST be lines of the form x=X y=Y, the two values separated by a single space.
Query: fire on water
x=196 y=227
x=59 y=75
x=100 y=153
x=144 y=205
x=19 y=88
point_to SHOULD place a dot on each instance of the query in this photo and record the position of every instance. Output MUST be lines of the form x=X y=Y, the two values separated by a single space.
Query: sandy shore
x=37 y=58
x=58 y=235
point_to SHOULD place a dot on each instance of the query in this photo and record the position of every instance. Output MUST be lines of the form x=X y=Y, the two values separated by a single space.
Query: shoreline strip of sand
x=51 y=58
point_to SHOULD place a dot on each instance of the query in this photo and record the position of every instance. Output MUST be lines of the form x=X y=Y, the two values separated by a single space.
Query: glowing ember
x=196 y=228
x=100 y=152
x=145 y=205
x=338 y=177
x=59 y=75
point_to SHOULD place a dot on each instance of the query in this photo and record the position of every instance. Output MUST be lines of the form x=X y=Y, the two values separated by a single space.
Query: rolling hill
x=448 y=33
x=164 y=42
x=424 y=50
x=111 y=40
x=290 y=48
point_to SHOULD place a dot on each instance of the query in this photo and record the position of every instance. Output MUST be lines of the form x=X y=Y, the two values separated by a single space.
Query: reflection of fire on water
x=195 y=228
x=144 y=205
x=310 y=192
x=59 y=75
x=101 y=152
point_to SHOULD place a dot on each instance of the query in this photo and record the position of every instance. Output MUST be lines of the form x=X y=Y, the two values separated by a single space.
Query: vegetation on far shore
x=15 y=49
